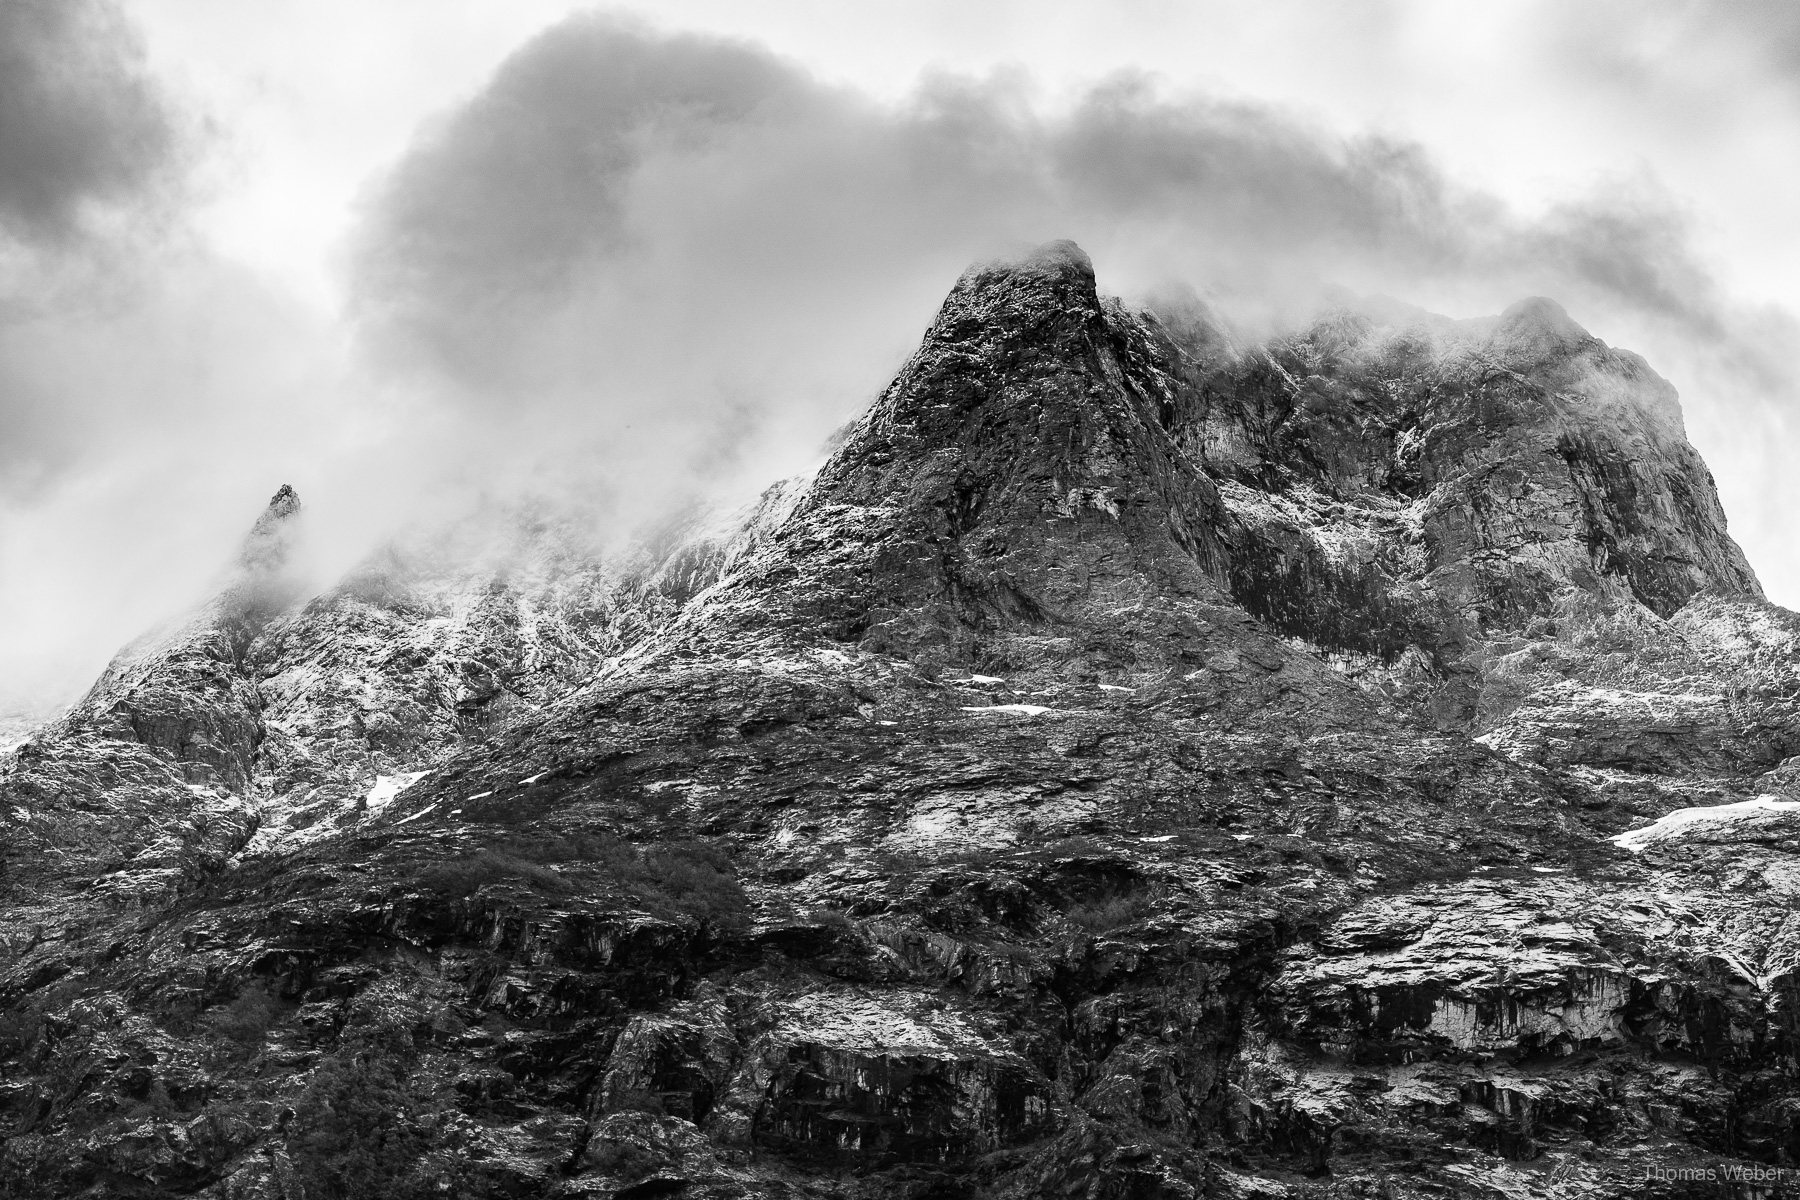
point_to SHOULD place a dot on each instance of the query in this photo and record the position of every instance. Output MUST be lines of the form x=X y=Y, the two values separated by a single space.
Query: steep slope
x=144 y=781
x=443 y=637
x=1135 y=765
x=260 y=715
x=258 y=723
x=1411 y=483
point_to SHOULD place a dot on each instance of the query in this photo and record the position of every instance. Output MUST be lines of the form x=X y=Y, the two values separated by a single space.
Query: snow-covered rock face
x=1138 y=763
x=1764 y=819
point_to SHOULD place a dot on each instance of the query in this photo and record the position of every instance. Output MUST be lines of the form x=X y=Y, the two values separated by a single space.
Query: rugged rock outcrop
x=1136 y=764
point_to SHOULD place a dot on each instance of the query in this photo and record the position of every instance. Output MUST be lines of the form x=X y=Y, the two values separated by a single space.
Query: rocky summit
x=1140 y=762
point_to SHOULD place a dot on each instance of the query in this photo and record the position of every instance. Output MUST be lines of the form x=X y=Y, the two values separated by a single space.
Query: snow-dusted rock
x=1139 y=762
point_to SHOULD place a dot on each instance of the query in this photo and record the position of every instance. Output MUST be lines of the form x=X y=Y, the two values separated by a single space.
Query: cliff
x=1137 y=764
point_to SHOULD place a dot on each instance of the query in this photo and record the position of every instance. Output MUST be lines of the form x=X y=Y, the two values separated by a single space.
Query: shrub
x=689 y=878
x=20 y=1029
x=560 y=848
x=245 y=1020
x=670 y=879
x=466 y=876
x=1098 y=916
x=355 y=1131
x=831 y=918
x=627 y=1159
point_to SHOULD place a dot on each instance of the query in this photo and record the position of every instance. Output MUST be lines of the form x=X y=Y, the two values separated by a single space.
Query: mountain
x=1137 y=763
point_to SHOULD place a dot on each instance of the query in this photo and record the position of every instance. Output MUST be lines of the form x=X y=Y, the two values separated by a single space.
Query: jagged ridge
x=1135 y=764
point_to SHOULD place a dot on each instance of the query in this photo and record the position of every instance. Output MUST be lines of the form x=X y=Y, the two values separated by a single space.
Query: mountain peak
x=1007 y=293
x=1059 y=256
x=285 y=500
x=1015 y=476
x=266 y=546
x=1536 y=330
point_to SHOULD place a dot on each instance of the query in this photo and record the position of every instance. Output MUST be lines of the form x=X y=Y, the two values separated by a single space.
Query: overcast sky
x=399 y=253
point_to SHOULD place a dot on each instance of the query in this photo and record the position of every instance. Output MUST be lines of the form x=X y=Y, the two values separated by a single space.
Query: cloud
x=83 y=128
x=1766 y=30
x=601 y=148
x=152 y=395
x=631 y=241
x=526 y=186
x=92 y=158
x=606 y=159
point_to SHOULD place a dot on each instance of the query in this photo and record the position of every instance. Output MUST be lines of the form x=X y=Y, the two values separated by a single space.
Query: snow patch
x=1023 y=710
x=388 y=786
x=1707 y=819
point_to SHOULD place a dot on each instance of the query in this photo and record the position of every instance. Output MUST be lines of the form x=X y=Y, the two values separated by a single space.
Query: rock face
x=1136 y=764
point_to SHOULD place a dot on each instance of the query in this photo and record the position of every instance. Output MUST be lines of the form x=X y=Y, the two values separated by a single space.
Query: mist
x=640 y=268
x=693 y=258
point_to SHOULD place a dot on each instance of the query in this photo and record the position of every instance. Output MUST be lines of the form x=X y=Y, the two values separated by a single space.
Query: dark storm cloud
x=94 y=160
x=628 y=214
x=556 y=175
x=89 y=147
x=527 y=184
x=141 y=378
x=1247 y=171
x=82 y=126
